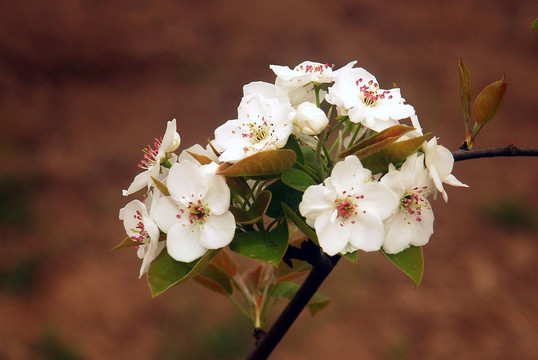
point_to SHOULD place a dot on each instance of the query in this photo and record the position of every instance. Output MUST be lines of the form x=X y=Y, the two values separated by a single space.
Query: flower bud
x=310 y=119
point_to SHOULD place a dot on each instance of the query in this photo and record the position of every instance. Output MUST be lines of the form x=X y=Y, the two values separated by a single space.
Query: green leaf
x=489 y=101
x=393 y=154
x=269 y=247
x=410 y=261
x=287 y=290
x=299 y=222
x=256 y=211
x=297 y=179
x=162 y=188
x=535 y=24
x=127 y=242
x=264 y=164
x=292 y=144
x=165 y=272
x=376 y=142
x=353 y=257
x=309 y=155
x=213 y=278
x=282 y=193
x=466 y=92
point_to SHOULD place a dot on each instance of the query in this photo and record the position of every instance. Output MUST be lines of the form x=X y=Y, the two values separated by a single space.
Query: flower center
x=413 y=202
x=369 y=92
x=198 y=213
x=257 y=132
x=139 y=229
x=150 y=154
x=346 y=207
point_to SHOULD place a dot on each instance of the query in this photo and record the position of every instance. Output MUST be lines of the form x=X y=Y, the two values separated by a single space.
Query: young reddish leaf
x=410 y=261
x=211 y=284
x=393 y=154
x=162 y=188
x=202 y=159
x=489 y=101
x=226 y=262
x=466 y=92
x=165 y=272
x=270 y=163
x=376 y=142
x=256 y=211
x=127 y=242
x=214 y=278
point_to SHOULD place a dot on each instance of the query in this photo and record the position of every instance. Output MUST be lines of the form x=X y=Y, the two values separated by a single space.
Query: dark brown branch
x=322 y=267
x=510 y=150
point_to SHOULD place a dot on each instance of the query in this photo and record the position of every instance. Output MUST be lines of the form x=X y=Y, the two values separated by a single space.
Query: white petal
x=332 y=236
x=367 y=231
x=183 y=243
x=150 y=254
x=317 y=199
x=186 y=179
x=379 y=199
x=218 y=231
x=398 y=234
x=166 y=213
x=140 y=181
x=349 y=174
x=451 y=180
x=217 y=197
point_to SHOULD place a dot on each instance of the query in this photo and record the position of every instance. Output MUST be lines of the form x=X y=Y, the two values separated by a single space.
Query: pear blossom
x=298 y=83
x=412 y=223
x=153 y=157
x=195 y=216
x=141 y=228
x=356 y=93
x=309 y=119
x=263 y=124
x=348 y=209
x=439 y=161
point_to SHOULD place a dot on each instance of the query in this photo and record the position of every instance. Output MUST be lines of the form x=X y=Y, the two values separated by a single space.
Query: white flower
x=348 y=209
x=439 y=161
x=298 y=84
x=195 y=216
x=412 y=223
x=141 y=228
x=356 y=93
x=309 y=119
x=153 y=157
x=263 y=124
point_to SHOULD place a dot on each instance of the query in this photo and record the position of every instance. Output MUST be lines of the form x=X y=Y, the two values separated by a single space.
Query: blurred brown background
x=84 y=85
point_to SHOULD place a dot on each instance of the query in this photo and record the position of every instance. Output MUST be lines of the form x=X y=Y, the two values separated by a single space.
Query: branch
x=510 y=150
x=322 y=267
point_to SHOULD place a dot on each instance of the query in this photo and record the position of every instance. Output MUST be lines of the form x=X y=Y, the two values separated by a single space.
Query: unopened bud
x=310 y=119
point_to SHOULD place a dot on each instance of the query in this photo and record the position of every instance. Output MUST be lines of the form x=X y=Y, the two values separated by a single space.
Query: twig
x=510 y=150
x=322 y=267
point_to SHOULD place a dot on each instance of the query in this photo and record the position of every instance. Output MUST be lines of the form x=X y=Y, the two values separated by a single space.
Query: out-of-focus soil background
x=84 y=85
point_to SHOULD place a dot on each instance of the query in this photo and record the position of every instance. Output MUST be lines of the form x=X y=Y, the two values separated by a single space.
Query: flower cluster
x=325 y=151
